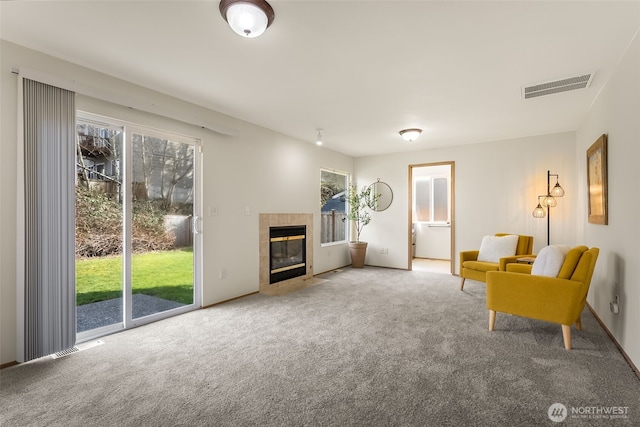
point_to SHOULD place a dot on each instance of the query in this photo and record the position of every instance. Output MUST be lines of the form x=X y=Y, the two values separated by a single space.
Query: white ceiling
x=360 y=70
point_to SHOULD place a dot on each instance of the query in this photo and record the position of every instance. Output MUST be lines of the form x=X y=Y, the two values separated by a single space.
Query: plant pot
x=358 y=251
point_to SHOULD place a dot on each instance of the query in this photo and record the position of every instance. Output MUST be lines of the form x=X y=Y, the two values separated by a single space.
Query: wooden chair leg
x=566 y=335
x=492 y=319
x=462 y=283
x=579 y=324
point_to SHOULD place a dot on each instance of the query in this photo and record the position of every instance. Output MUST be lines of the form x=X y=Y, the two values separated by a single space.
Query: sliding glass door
x=137 y=239
x=162 y=273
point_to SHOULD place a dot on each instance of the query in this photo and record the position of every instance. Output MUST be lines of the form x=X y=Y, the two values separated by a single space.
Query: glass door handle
x=197 y=224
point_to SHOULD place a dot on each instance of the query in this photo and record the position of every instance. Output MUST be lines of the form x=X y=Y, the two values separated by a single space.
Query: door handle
x=197 y=224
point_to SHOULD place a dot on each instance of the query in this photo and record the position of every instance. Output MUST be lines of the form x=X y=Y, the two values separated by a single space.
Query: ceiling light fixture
x=248 y=18
x=410 y=134
x=319 y=137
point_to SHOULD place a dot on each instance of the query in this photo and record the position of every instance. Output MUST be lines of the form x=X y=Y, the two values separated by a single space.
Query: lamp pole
x=548 y=201
x=548 y=208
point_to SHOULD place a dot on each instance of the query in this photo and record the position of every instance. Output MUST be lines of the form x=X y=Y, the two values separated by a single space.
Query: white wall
x=252 y=167
x=496 y=189
x=433 y=242
x=617 y=114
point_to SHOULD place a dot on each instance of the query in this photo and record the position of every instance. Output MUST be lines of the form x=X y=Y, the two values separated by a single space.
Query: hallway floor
x=431 y=265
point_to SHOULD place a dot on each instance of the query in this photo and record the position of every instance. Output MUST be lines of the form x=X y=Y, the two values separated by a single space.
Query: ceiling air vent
x=564 y=85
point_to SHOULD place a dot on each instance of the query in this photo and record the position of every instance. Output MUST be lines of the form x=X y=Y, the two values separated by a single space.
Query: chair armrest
x=469 y=256
x=509 y=259
x=539 y=297
x=516 y=267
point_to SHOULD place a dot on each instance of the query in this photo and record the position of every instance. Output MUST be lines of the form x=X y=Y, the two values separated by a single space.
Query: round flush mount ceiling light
x=410 y=134
x=248 y=18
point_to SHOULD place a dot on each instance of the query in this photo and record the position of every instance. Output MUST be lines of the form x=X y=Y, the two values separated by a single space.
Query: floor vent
x=76 y=349
x=564 y=85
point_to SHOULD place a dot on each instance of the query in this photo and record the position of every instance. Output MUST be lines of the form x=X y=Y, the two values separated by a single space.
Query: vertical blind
x=49 y=223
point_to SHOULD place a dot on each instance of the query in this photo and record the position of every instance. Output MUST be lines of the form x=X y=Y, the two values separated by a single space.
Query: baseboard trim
x=8 y=364
x=615 y=341
x=229 y=300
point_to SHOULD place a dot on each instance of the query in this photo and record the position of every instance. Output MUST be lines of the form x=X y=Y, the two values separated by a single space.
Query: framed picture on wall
x=597 y=181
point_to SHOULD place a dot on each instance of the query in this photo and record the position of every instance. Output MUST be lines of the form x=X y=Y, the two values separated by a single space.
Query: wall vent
x=548 y=88
x=76 y=349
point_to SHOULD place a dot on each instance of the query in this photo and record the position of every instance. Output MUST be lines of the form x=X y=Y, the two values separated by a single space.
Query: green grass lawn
x=164 y=274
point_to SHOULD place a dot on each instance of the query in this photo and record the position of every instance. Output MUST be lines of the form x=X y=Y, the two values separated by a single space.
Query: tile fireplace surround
x=278 y=220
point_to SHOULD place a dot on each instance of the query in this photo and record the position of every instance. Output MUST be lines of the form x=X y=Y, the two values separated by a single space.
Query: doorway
x=137 y=225
x=432 y=217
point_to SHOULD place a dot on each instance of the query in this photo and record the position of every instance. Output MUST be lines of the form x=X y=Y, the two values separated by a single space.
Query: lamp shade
x=410 y=134
x=557 y=191
x=549 y=201
x=539 y=212
x=248 y=18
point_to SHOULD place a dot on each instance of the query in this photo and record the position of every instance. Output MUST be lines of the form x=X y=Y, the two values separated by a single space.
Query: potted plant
x=360 y=203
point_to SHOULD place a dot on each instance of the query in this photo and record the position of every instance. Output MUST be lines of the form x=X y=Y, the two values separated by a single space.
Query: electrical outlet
x=213 y=211
x=247 y=210
x=223 y=273
x=614 y=305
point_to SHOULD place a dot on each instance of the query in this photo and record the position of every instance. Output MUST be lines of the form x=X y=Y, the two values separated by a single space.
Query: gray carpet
x=366 y=347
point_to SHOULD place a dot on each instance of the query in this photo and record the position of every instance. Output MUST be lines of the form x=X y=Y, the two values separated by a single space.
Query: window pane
x=333 y=186
x=440 y=200
x=99 y=225
x=423 y=200
x=162 y=240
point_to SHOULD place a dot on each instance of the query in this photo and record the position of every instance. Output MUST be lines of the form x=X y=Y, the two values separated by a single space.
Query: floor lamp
x=548 y=201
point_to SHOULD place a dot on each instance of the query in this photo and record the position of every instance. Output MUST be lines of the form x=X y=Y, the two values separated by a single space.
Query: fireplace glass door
x=287 y=252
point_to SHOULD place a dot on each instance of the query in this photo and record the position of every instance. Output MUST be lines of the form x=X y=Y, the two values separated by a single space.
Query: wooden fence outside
x=332 y=226
x=181 y=226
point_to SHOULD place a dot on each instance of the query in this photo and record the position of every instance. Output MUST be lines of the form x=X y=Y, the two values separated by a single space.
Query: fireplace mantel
x=268 y=220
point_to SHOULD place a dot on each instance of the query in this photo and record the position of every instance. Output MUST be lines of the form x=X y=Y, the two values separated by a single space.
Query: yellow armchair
x=471 y=268
x=553 y=299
